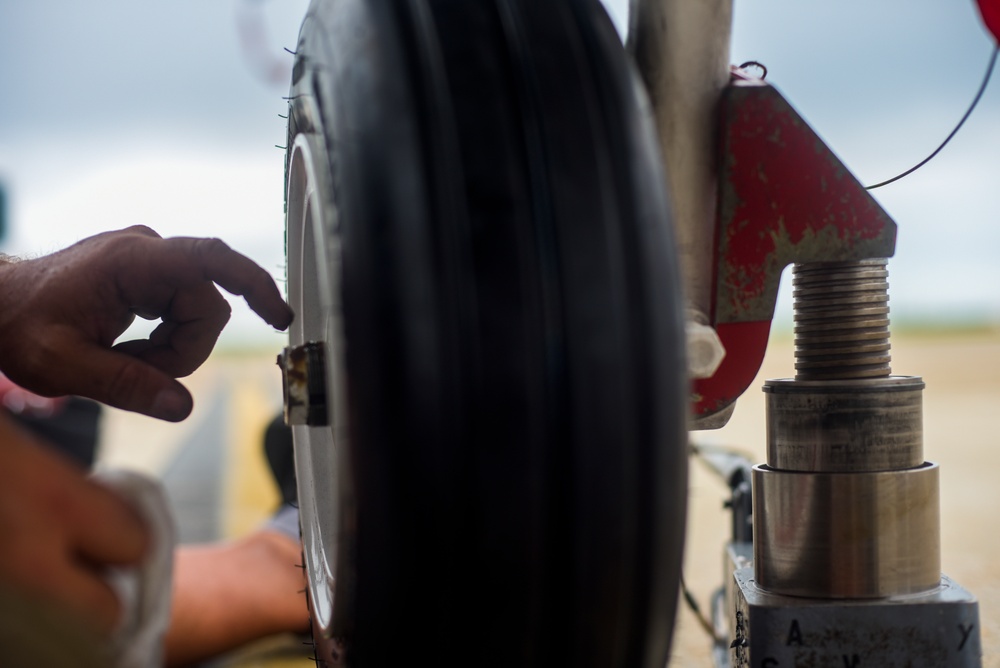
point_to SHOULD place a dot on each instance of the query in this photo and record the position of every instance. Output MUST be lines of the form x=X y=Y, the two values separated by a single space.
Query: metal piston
x=846 y=507
x=847 y=535
x=843 y=426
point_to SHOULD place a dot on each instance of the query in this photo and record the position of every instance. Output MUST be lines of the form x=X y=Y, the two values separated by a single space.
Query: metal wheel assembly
x=314 y=271
x=486 y=373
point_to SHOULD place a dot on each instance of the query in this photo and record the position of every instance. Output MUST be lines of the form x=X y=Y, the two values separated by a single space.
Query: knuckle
x=225 y=311
x=211 y=247
x=144 y=230
x=118 y=245
x=125 y=382
x=208 y=335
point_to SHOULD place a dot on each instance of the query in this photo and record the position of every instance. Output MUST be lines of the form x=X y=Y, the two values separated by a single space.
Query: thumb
x=122 y=381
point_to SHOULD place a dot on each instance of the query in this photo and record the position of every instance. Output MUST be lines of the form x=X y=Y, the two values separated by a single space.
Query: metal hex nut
x=705 y=351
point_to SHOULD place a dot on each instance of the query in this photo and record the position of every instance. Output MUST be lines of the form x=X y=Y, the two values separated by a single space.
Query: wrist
x=9 y=291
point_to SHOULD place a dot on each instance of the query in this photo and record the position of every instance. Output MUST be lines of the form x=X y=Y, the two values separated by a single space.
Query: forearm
x=230 y=594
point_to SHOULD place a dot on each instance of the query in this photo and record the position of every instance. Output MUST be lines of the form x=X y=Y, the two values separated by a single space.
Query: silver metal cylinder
x=681 y=49
x=846 y=535
x=845 y=426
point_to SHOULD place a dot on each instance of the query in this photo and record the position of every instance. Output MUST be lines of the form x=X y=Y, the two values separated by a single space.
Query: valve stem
x=841 y=320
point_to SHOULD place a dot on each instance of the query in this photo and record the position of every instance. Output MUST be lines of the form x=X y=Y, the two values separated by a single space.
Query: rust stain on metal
x=293 y=364
x=304 y=384
x=784 y=197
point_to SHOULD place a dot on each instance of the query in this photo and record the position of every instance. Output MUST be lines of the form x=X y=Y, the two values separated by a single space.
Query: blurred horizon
x=116 y=113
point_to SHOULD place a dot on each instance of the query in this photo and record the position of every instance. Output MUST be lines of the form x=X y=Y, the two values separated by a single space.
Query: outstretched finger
x=241 y=276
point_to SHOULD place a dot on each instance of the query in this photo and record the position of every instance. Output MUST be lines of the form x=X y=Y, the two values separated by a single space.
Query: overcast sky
x=115 y=112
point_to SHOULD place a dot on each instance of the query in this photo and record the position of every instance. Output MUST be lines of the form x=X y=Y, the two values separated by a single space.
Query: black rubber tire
x=513 y=327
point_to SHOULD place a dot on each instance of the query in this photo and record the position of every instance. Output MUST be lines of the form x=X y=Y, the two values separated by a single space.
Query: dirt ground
x=961 y=404
x=962 y=399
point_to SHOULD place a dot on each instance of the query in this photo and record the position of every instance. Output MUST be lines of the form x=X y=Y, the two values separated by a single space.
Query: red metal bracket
x=784 y=197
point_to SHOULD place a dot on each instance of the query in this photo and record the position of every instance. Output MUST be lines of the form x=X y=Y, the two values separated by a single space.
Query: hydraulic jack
x=835 y=554
x=843 y=567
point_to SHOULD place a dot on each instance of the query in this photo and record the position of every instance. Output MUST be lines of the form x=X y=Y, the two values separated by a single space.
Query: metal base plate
x=937 y=628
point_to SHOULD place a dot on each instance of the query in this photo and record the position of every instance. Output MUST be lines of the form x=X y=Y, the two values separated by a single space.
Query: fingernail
x=171 y=405
x=286 y=321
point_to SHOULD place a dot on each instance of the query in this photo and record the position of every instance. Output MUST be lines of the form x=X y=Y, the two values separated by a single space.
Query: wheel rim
x=313 y=271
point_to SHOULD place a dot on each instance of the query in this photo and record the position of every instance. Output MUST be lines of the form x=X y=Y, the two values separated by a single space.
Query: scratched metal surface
x=962 y=373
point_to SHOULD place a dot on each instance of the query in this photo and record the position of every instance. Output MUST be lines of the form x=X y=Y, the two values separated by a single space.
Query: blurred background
x=118 y=112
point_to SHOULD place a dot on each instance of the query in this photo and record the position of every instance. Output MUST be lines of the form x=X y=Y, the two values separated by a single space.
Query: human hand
x=60 y=315
x=60 y=531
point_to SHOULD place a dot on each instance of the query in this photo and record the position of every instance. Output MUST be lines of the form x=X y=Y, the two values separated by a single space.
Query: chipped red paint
x=784 y=197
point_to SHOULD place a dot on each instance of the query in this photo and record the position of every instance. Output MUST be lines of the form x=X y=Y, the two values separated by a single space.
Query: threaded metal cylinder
x=841 y=320
x=846 y=508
